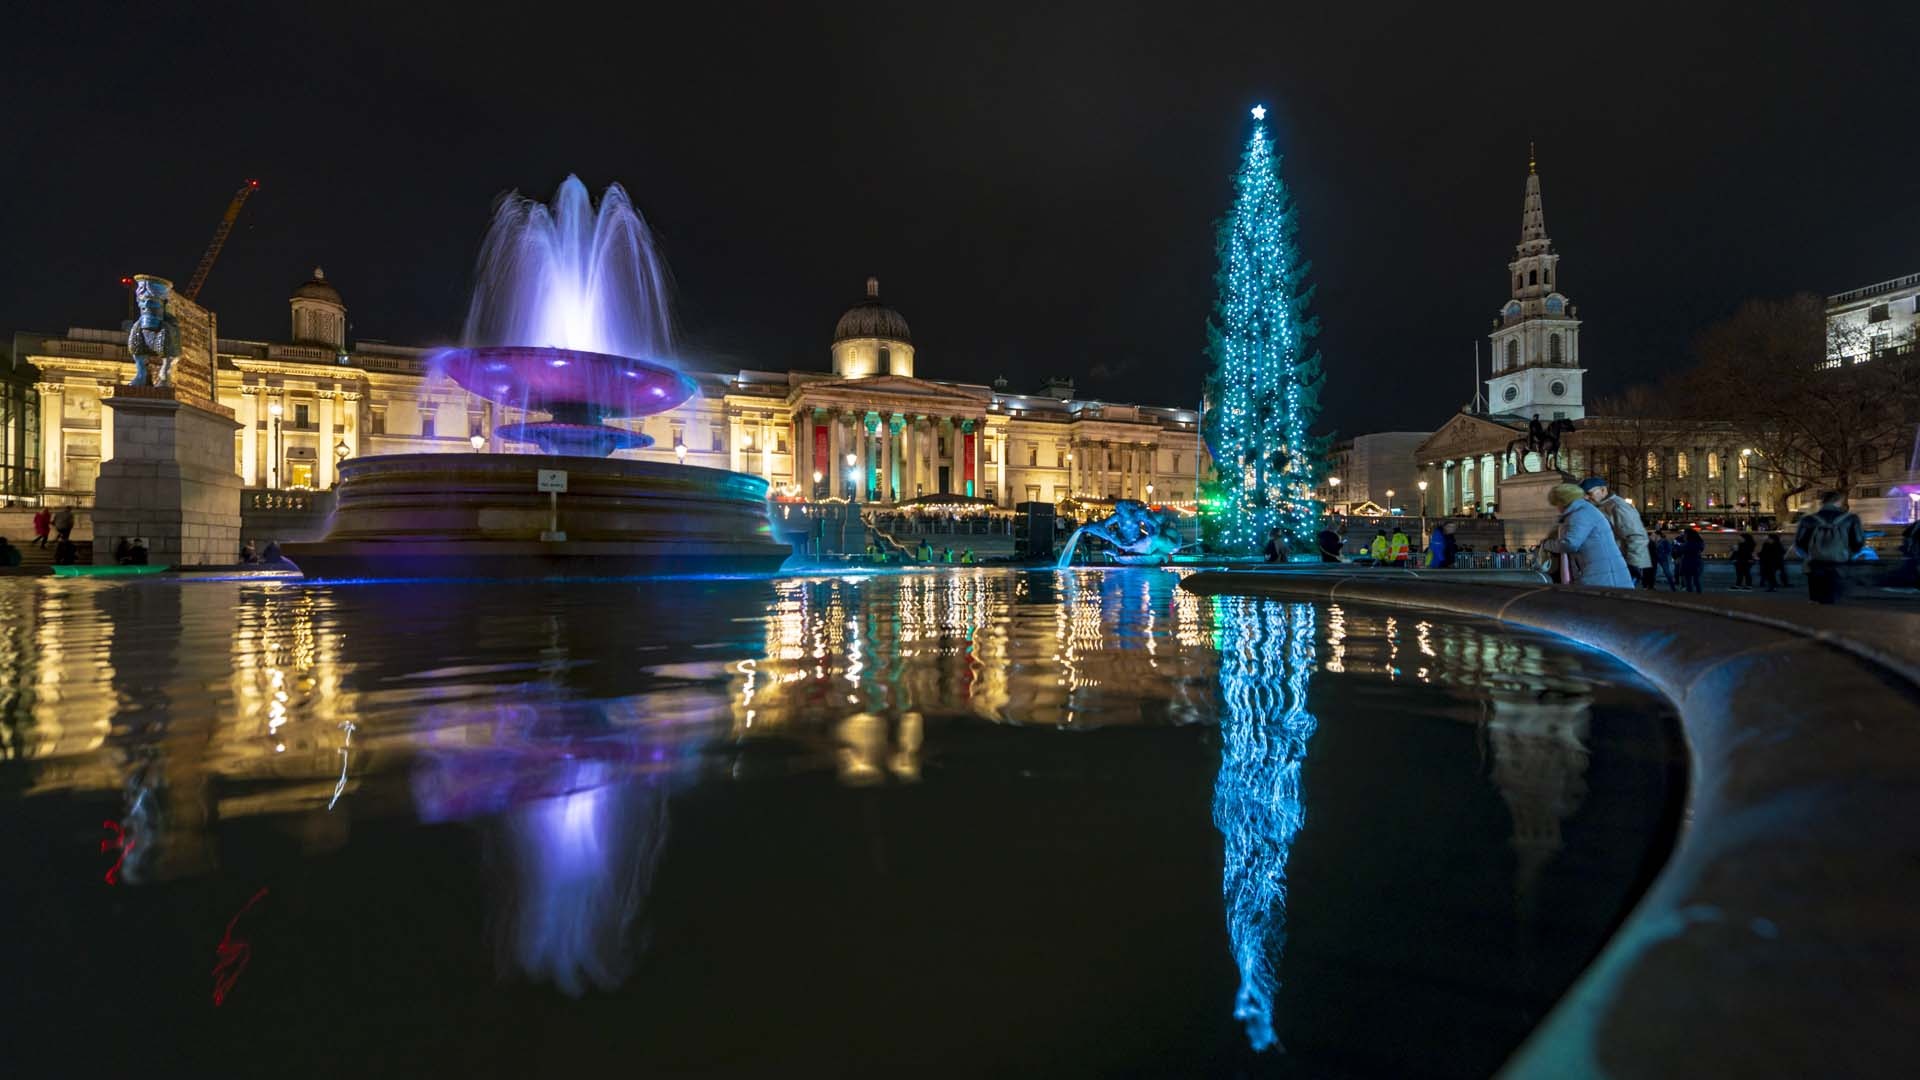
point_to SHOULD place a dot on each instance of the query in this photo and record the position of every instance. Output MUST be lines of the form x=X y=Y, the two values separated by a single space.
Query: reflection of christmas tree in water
x=1266 y=656
x=1539 y=745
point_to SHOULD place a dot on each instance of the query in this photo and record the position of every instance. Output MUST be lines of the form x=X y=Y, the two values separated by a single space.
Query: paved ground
x=1718 y=579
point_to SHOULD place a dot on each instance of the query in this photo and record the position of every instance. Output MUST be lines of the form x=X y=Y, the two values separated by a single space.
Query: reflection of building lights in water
x=1266 y=656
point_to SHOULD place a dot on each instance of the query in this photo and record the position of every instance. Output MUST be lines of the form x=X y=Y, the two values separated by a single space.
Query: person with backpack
x=1827 y=540
x=42 y=525
x=1743 y=563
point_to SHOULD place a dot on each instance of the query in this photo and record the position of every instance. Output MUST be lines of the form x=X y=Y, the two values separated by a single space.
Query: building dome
x=872 y=319
x=317 y=288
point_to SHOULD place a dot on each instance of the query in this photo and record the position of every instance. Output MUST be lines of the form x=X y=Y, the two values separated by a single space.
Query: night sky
x=1036 y=191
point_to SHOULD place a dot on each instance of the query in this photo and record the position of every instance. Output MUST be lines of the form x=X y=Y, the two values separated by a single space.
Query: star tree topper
x=1259 y=112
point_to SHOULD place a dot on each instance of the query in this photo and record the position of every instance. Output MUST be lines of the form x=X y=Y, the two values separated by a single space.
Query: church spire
x=1533 y=218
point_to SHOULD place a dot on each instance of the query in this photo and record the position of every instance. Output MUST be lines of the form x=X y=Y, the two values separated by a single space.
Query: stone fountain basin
x=480 y=515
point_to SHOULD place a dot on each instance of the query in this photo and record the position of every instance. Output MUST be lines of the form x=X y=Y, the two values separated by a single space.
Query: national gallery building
x=868 y=429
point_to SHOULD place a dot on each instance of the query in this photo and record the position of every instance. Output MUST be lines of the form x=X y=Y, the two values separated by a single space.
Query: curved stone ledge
x=1781 y=938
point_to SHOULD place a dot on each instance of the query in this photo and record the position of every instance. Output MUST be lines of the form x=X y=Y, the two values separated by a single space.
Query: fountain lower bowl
x=480 y=516
x=582 y=440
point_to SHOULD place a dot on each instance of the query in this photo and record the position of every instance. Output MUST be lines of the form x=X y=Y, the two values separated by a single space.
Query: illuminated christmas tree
x=1264 y=391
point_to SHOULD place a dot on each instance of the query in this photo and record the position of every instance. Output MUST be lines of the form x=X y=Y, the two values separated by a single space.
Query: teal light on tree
x=1264 y=391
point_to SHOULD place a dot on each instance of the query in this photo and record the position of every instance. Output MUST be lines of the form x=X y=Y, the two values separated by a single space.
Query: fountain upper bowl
x=536 y=377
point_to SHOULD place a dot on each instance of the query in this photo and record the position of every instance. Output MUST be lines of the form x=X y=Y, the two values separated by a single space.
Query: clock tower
x=1536 y=339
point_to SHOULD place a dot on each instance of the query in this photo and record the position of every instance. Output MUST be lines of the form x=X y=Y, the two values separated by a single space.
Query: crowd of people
x=1604 y=544
x=1600 y=541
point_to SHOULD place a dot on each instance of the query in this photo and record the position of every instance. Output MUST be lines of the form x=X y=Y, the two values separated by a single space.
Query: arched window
x=1553 y=347
x=1533 y=277
x=1513 y=352
x=1653 y=464
x=886 y=361
x=1680 y=465
x=1713 y=465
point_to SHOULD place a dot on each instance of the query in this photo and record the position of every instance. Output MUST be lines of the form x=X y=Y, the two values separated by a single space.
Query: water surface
x=964 y=822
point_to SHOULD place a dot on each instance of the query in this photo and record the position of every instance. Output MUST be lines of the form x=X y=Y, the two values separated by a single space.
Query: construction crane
x=192 y=291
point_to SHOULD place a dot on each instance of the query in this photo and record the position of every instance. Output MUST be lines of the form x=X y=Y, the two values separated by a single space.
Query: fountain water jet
x=569 y=318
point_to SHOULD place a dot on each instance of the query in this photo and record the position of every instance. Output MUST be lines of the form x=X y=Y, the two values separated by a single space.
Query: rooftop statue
x=155 y=337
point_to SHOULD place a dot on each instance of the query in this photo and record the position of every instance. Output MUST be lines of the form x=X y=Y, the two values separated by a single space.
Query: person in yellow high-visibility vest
x=1380 y=548
x=1402 y=547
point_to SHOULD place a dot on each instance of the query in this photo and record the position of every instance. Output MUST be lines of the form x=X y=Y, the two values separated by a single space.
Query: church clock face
x=1559 y=388
x=1512 y=392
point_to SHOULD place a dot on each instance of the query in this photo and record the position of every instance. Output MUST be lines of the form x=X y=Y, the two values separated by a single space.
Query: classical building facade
x=868 y=429
x=1668 y=468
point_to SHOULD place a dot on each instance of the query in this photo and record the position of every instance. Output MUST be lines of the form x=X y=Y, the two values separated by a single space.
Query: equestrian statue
x=1541 y=439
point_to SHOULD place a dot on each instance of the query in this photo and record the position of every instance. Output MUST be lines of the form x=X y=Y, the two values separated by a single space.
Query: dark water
x=964 y=823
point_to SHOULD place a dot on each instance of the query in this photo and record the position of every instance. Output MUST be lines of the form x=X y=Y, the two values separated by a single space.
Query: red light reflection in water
x=120 y=842
x=231 y=956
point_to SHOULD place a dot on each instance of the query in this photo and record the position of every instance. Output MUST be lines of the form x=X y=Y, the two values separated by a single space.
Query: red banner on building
x=966 y=451
x=822 y=456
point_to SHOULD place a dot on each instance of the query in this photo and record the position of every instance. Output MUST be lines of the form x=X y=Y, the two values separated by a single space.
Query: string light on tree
x=1264 y=390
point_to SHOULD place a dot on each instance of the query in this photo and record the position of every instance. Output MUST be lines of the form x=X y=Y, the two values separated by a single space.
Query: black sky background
x=1036 y=189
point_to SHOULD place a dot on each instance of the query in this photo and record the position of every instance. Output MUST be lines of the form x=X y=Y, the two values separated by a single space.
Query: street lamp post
x=476 y=441
x=1746 y=474
x=814 y=495
x=1389 y=502
x=1422 y=485
x=853 y=478
x=273 y=444
x=680 y=452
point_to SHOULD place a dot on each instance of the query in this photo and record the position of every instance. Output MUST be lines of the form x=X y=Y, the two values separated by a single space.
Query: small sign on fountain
x=553 y=482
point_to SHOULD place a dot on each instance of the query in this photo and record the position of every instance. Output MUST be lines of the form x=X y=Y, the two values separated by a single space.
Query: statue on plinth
x=154 y=340
x=1542 y=439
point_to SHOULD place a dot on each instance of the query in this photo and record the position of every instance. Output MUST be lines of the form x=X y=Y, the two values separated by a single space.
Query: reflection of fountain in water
x=1266 y=657
x=579 y=801
x=584 y=864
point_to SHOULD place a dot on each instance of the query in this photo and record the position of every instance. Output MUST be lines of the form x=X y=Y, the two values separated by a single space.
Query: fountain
x=1141 y=536
x=569 y=318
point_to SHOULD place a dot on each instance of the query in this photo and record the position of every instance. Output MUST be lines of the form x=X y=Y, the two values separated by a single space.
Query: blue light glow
x=1266 y=656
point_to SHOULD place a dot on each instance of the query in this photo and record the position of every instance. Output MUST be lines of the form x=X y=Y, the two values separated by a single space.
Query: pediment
x=1467 y=433
x=893 y=386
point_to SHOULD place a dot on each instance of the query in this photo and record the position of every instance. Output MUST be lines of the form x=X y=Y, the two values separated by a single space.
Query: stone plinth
x=1529 y=517
x=170 y=481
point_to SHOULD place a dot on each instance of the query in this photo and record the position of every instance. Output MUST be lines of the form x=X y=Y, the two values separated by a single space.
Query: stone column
x=1002 y=489
x=733 y=443
x=53 y=409
x=323 y=453
x=249 y=435
x=352 y=423
x=836 y=472
x=803 y=452
x=106 y=425
x=885 y=435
